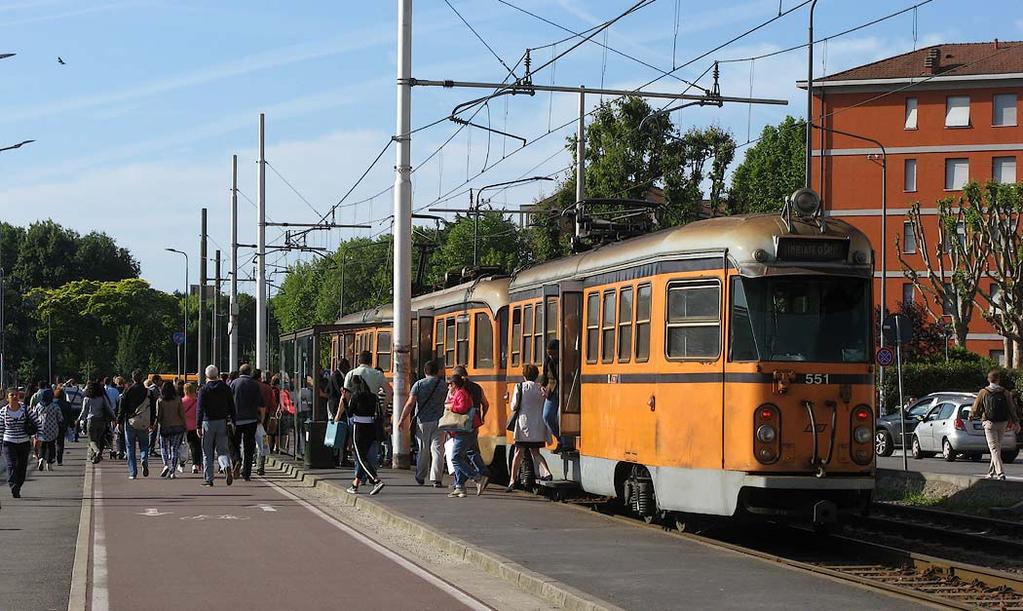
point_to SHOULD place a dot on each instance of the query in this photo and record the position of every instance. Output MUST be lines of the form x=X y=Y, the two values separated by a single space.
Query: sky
x=134 y=132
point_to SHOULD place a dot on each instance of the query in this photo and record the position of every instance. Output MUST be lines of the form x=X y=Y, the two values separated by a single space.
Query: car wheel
x=947 y=451
x=917 y=452
x=884 y=445
x=1008 y=457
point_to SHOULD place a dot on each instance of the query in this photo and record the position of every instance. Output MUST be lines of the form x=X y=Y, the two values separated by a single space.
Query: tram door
x=570 y=344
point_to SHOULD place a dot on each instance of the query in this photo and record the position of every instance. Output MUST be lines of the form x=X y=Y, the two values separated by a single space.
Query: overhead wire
x=480 y=38
x=292 y=187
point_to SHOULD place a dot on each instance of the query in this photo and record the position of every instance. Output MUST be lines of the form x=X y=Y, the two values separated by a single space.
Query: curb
x=493 y=564
x=83 y=546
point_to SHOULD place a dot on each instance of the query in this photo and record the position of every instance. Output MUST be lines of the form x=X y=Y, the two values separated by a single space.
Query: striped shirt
x=12 y=425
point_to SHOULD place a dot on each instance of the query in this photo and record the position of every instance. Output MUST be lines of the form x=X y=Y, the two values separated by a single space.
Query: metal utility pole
x=202 y=300
x=809 y=98
x=580 y=150
x=217 y=328
x=402 y=235
x=261 y=328
x=232 y=323
x=3 y=336
x=184 y=344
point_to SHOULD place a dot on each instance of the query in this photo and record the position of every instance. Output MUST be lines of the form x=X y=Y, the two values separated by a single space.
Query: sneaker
x=172 y=475
x=509 y=488
x=457 y=493
x=181 y=468
x=260 y=472
x=42 y=463
x=438 y=485
x=206 y=482
x=145 y=470
x=1000 y=476
x=377 y=488
x=229 y=478
x=420 y=481
x=131 y=477
x=16 y=494
x=166 y=471
x=352 y=490
x=195 y=468
x=481 y=485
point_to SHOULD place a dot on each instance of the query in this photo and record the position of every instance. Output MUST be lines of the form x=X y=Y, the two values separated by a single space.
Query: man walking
x=215 y=414
x=74 y=396
x=136 y=412
x=249 y=405
x=427 y=396
x=995 y=406
x=153 y=388
x=269 y=408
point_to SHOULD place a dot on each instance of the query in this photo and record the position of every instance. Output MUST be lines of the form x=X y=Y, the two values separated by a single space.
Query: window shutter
x=957 y=111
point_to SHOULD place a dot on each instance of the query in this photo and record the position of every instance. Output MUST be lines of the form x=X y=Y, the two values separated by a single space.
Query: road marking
x=385 y=551
x=264 y=507
x=153 y=512
x=100 y=594
x=83 y=546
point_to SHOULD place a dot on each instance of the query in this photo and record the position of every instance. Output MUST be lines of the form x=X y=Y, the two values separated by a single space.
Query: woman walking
x=188 y=405
x=49 y=418
x=97 y=414
x=69 y=420
x=171 y=417
x=460 y=402
x=364 y=410
x=529 y=426
x=17 y=426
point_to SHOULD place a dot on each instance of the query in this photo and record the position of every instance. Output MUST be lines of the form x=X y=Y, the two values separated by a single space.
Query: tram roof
x=737 y=236
x=490 y=291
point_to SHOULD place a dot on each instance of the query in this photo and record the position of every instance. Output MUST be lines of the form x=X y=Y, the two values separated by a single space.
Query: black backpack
x=997 y=406
x=363 y=402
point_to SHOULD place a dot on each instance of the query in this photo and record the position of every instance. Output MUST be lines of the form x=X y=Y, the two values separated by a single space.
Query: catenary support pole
x=201 y=350
x=402 y=236
x=580 y=161
x=809 y=98
x=232 y=324
x=218 y=328
x=261 y=328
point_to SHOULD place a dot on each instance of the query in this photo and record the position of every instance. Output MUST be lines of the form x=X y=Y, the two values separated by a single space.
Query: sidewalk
x=624 y=565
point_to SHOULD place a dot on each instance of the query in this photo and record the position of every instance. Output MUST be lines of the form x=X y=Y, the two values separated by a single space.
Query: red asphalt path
x=174 y=544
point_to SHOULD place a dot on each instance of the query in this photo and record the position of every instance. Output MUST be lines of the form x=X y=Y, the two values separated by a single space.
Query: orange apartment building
x=946 y=115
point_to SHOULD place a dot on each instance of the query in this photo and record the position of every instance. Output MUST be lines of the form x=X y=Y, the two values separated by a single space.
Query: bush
x=919 y=379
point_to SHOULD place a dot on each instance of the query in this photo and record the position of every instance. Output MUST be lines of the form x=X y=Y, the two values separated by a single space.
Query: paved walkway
x=37 y=535
x=173 y=544
x=629 y=566
x=961 y=466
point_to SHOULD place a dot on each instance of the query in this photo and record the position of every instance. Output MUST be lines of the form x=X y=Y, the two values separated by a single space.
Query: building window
x=908 y=290
x=625 y=325
x=910 y=183
x=910 y=113
x=957 y=111
x=693 y=320
x=997 y=356
x=607 y=328
x=957 y=173
x=592 y=326
x=643 y=294
x=1003 y=170
x=908 y=237
x=1004 y=110
x=484 y=344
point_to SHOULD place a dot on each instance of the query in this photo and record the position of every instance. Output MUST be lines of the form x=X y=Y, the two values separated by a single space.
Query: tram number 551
x=816 y=378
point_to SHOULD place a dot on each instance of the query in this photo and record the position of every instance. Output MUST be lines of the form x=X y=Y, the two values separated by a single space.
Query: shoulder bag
x=451 y=422
x=515 y=409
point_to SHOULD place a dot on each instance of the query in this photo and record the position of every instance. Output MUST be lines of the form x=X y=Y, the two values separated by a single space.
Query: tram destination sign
x=812 y=249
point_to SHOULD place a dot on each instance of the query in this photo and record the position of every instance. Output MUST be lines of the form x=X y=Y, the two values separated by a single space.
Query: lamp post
x=16 y=146
x=184 y=347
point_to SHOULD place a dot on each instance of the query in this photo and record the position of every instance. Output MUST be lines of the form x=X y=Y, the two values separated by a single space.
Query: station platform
x=601 y=562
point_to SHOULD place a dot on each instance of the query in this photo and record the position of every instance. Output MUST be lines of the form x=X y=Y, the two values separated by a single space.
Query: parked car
x=888 y=430
x=947 y=430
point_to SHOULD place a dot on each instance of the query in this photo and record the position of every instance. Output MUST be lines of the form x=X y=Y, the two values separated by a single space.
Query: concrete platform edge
x=493 y=564
x=960 y=482
x=83 y=547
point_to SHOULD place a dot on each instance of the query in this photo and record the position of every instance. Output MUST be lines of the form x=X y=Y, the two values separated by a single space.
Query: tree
x=1000 y=225
x=929 y=338
x=953 y=269
x=500 y=245
x=98 y=257
x=773 y=169
x=47 y=256
x=127 y=354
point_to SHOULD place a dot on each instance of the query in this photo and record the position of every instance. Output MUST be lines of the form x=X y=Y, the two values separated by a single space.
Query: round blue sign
x=885 y=356
x=179 y=337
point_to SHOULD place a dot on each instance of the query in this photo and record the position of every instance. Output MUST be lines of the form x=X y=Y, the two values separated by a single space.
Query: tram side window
x=462 y=329
x=743 y=343
x=438 y=339
x=384 y=351
x=527 y=334
x=625 y=325
x=693 y=320
x=607 y=328
x=592 y=326
x=552 y=318
x=643 y=295
x=484 y=336
x=516 y=336
x=449 y=342
x=538 y=333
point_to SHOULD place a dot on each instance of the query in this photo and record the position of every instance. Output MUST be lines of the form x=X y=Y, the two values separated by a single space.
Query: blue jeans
x=550 y=418
x=475 y=458
x=214 y=444
x=464 y=469
x=131 y=437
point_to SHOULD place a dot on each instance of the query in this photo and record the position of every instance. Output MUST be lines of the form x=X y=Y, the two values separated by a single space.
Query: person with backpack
x=95 y=418
x=215 y=414
x=48 y=414
x=363 y=407
x=427 y=397
x=136 y=415
x=17 y=426
x=995 y=406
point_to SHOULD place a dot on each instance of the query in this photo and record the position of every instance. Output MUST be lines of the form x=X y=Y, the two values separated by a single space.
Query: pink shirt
x=188 y=404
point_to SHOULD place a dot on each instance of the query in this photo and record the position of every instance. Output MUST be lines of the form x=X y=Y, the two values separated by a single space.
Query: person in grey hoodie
x=249 y=408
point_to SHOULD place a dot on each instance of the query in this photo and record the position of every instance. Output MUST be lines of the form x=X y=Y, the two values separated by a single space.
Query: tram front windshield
x=823 y=319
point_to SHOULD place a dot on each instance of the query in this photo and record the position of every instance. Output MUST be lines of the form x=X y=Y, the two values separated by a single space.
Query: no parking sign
x=884 y=357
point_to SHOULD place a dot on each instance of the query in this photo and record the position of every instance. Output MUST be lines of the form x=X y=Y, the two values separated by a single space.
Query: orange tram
x=721 y=368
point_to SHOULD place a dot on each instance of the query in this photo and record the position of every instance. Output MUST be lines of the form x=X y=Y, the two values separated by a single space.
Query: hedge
x=960 y=376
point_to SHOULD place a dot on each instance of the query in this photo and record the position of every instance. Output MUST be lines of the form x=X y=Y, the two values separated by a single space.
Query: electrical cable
x=293 y=189
x=480 y=38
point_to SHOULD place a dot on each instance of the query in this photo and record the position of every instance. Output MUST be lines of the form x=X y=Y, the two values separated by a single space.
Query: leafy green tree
x=98 y=257
x=773 y=169
x=46 y=257
x=127 y=354
x=500 y=245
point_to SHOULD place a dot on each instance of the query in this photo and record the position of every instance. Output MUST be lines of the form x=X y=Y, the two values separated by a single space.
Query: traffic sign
x=897 y=329
x=884 y=357
x=179 y=337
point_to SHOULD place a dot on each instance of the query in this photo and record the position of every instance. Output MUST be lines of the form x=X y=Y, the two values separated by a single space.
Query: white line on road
x=385 y=551
x=100 y=594
x=264 y=507
x=153 y=512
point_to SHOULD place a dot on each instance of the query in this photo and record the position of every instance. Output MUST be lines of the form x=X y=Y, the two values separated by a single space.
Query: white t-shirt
x=373 y=378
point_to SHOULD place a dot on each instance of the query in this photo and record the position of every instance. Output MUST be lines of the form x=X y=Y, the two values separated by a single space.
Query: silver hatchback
x=947 y=430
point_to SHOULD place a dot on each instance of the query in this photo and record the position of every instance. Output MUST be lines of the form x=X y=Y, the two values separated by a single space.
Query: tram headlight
x=806 y=202
x=861 y=434
x=767 y=433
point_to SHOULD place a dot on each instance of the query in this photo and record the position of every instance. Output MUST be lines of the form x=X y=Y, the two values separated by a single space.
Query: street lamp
x=16 y=146
x=184 y=343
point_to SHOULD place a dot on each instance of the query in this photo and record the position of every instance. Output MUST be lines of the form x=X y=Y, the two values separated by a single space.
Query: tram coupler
x=824 y=513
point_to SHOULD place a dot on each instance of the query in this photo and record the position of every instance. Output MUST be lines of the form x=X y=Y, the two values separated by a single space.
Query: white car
x=947 y=430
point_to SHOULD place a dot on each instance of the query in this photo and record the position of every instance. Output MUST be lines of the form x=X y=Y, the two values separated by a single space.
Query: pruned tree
x=1004 y=298
x=953 y=262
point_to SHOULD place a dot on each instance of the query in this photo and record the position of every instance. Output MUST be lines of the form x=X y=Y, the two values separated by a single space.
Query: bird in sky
x=61 y=61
